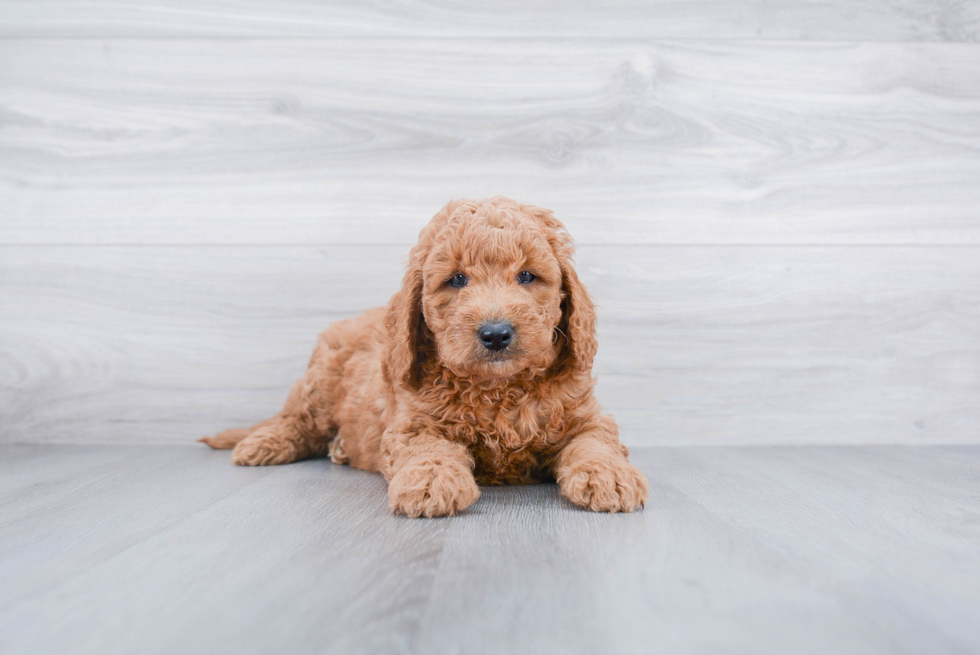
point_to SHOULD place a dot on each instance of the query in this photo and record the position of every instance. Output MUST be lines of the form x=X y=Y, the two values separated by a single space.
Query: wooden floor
x=165 y=549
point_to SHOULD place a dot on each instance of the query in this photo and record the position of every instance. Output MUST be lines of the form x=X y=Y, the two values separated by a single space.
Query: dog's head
x=490 y=292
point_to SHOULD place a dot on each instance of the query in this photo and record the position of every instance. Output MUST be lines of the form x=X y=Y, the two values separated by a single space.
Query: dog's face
x=490 y=292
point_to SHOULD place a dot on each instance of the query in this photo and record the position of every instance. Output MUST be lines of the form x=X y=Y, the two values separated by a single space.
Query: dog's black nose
x=496 y=336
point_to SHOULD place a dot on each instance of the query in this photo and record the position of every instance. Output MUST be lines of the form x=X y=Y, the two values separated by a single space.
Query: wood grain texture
x=362 y=140
x=761 y=550
x=906 y=20
x=864 y=526
x=314 y=547
x=739 y=550
x=57 y=525
x=753 y=345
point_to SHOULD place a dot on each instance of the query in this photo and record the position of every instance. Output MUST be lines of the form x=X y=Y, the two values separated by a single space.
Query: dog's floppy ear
x=409 y=340
x=406 y=328
x=578 y=321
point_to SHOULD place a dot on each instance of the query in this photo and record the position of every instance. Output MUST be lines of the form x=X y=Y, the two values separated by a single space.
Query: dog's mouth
x=499 y=357
x=495 y=360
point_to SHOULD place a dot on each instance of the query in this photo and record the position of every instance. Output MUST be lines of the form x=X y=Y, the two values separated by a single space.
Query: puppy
x=479 y=371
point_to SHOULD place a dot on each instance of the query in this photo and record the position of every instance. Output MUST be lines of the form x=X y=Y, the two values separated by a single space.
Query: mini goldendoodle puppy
x=479 y=371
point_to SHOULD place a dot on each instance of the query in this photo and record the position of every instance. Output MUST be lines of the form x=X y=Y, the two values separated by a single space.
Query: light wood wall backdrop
x=777 y=203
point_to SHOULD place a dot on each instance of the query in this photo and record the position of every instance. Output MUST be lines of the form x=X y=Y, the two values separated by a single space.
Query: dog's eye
x=458 y=281
x=526 y=277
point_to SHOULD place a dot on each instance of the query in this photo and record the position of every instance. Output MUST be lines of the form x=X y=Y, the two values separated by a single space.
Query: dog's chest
x=513 y=442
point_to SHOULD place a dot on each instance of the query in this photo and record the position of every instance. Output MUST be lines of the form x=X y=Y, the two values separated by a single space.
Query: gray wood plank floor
x=160 y=549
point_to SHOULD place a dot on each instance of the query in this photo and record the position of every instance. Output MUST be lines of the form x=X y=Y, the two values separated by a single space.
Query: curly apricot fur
x=409 y=390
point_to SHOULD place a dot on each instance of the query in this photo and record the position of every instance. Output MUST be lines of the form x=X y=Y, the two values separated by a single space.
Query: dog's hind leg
x=303 y=429
x=281 y=441
x=310 y=419
x=300 y=431
x=228 y=439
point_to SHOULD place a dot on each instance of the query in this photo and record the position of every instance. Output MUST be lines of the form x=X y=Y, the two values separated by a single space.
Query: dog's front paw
x=265 y=447
x=604 y=486
x=432 y=490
